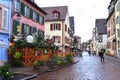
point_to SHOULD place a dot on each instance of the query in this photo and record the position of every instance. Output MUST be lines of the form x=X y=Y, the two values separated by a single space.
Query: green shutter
x=23 y=32
x=38 y=31
x=30 y=30
x=31 y=13
x=37 y=17
x=34 y=29
x=22 y=9
x=42 y=20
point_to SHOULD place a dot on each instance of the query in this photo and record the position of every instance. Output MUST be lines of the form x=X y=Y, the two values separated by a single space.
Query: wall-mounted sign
x=29 y=38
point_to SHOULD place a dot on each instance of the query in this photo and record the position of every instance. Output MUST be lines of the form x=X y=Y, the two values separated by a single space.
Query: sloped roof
x=72 y=23
x=36 y=6
x=63 y=10
x=100 y=24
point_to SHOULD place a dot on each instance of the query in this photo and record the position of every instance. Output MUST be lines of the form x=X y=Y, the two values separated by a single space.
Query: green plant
x=17 y=55
x=42 y=63
x=64 y=61
x=17 y=59
x=55 y=59
x=69 y=57
x=36 y=63
x=5 y=71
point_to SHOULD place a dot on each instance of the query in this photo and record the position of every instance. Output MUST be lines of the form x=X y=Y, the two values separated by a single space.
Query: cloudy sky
x=84 y=11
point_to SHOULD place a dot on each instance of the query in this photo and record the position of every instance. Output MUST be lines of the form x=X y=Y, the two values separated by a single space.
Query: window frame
x=4 y=18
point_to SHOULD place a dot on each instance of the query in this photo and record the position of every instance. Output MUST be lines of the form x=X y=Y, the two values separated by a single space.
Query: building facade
x=27 y=18
x=101 y=34
x=111 y=37
x=57 y=27
x=117 y=26
x=5 y=15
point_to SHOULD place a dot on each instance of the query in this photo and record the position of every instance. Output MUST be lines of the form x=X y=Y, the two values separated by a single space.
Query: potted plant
x=17 y=59
x=35 y=64
x=5 y=73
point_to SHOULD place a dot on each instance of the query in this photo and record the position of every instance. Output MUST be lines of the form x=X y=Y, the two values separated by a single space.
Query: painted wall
x=53 y=32
x=117 y=26
x=5 y=33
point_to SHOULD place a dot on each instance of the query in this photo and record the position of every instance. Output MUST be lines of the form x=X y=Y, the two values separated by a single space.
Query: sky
x=84 y=11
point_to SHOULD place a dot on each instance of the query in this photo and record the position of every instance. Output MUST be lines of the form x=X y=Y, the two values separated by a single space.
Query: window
x=22 y=8
x=56 y=14
x=4 y=18
x=16 y=5
x=14 y=28
x=55 y=26
x=56 y=39
x=118 y=6
x=25 y=29
x=118 y=32
x=41 y=19
x=28 y=30
x=65 y=27
x=27 y=11
x=108 y=45
x=108 y=33
x=66 y=40
x=118 y=44
x=34 y=16
x=41 y=33
x=113 y=45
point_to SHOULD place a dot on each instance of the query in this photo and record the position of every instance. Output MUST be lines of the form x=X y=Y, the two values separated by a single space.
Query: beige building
x=111 y=40
x=57 y=27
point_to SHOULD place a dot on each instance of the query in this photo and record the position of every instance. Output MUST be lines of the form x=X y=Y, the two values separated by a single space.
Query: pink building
x=27 y=18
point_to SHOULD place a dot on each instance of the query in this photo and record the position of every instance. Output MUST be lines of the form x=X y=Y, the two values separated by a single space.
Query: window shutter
x=59 y=26
x=51 y=26
x=38 y=31
x=22 y=9
x=34 y=29
x=37 y=17
x=118 y=6
x=31 y=13
x=23 y=31
x=30 y=30
x=42 y=20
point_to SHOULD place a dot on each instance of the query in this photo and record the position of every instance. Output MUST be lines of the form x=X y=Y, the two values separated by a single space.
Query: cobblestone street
x=88 y=68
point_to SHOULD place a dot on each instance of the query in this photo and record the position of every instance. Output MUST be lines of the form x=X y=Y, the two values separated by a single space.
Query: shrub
x=5 y=71
x=69 y=57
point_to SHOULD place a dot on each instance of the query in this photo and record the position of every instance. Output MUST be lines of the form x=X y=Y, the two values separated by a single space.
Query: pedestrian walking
x=89 y=52
x=101 y=54
x=80 y=54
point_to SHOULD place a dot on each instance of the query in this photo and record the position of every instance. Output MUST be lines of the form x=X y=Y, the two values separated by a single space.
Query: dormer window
x=56 y=14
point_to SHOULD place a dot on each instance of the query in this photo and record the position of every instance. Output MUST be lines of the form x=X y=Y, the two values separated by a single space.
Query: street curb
x=30 y=77
x=44 y=71
x=62 y=66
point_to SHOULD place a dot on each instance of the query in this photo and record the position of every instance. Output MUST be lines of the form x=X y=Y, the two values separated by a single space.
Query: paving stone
x=88 y=68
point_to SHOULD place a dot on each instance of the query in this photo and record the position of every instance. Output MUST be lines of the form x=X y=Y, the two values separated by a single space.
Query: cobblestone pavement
x=88 y=68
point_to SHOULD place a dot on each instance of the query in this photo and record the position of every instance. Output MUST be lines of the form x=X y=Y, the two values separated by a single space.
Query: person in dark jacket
x=101 y=54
